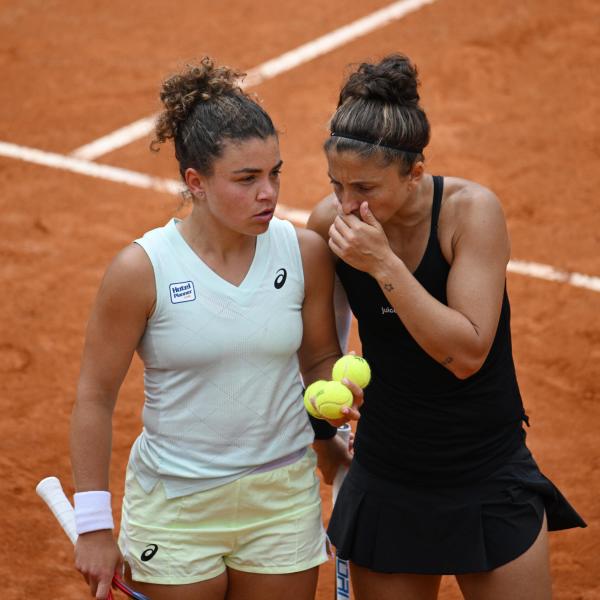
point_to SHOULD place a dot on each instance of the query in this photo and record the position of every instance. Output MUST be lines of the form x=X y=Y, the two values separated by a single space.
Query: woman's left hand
x=361 y=243
x=349 y=413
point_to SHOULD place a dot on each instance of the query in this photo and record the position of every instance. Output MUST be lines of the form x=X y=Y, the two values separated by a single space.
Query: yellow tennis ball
x=352 y=367
x=332 y=398
x=314 y=389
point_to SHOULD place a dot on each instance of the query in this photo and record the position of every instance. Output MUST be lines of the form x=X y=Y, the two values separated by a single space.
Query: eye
x=276 y=173
x=363 y=189
x=248 y=179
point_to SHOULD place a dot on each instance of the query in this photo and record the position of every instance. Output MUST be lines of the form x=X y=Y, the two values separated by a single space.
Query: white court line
x=86 y=167
x=539 y=271
x=300 y=217
x=116 y=139
x=268 y=70
x=333 y=40
x=116 y=174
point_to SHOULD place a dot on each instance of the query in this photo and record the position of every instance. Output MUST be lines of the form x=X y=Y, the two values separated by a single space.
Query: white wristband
x=92 y=511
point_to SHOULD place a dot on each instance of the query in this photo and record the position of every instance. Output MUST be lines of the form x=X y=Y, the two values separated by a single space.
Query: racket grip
x=51 y=492
x=343 y=432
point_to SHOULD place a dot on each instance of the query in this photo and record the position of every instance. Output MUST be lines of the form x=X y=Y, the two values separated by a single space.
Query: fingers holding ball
x=352 y=367
x=331 y=397
x=314 y=390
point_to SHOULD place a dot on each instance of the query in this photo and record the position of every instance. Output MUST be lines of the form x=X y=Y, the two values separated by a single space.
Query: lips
x=264 y=215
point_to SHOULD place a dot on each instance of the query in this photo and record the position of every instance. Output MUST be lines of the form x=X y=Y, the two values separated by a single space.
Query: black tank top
x=419 y=423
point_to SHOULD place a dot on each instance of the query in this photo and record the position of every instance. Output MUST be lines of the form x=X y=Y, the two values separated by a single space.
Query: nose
x=349 y=203
x=268 y=191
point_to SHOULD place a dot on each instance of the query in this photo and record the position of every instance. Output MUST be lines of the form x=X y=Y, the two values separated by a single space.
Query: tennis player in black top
x=441 y=481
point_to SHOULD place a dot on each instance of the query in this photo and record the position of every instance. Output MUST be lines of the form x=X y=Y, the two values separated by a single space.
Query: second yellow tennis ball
x=332 y=398
x=352 y=367
x=315 y=389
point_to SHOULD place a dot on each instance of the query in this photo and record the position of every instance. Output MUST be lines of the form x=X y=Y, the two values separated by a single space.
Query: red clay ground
x=512 y=93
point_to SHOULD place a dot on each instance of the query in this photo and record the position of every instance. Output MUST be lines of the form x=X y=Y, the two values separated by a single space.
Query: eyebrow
x=357 y=182
x=256 y=170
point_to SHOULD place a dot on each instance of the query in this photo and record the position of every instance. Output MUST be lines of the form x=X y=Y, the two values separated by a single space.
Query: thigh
x=257 y=586
x=211 y=589
x=525 y=578
x=371 y=585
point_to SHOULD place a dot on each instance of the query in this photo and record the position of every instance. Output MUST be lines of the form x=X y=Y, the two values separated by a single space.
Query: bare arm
x=459 y=335
x=320 y=348
x=319 y=221
x=117 y=322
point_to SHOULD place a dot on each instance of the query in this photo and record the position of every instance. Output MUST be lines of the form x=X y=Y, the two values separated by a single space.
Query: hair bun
x=180 y=93
x=393 y=80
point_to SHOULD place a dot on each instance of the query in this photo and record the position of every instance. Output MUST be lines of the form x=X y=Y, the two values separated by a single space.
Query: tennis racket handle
x=51 y=492
x=337 y=481
x=343 y=432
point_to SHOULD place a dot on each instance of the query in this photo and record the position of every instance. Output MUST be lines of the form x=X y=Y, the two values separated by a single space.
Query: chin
x=257 y=228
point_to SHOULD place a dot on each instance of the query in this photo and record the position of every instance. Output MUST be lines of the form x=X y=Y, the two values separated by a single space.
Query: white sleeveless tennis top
x=223 y=394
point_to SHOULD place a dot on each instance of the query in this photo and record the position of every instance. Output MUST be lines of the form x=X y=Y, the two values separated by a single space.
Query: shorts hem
x=275 y=570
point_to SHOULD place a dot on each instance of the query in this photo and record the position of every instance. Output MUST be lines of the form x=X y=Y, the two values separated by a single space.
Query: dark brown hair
x=378 y=112
x=205 y=106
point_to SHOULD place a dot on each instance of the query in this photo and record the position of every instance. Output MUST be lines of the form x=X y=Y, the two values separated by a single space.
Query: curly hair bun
x=393 y=80
x=180 y=93
x=204 y=108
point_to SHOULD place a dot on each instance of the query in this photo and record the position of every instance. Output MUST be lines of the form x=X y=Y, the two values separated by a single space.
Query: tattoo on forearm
x=447 y=360
x=388 y=287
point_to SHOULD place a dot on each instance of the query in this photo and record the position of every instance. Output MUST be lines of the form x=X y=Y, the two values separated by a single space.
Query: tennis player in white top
x=230 y=310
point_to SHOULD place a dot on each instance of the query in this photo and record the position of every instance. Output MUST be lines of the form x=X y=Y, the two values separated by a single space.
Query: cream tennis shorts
x=267 y=522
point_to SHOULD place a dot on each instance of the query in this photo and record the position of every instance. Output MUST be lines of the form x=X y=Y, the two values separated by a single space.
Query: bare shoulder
x=322 y=216
x=129 y=279
x=131 y=261
x=463 y=198
x=472 y=214
x=312 y=246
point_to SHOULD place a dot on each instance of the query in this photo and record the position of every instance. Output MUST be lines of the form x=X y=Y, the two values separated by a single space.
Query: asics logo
x=280 y=279
x=149 y=552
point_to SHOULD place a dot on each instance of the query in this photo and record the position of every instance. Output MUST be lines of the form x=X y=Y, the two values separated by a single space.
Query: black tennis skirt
x=388 y=527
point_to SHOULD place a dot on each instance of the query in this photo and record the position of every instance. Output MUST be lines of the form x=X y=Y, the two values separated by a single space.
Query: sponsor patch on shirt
x=182 y=292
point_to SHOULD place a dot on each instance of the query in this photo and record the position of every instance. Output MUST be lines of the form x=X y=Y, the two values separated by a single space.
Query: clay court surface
x=512 y=91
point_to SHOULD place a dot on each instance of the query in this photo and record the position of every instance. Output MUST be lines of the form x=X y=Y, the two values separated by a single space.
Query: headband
x=373 y=143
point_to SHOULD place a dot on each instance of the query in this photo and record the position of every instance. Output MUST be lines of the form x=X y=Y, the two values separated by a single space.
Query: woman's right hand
x=97 y=558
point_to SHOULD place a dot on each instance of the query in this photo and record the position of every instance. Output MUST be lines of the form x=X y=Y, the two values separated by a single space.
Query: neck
x=209 y=237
